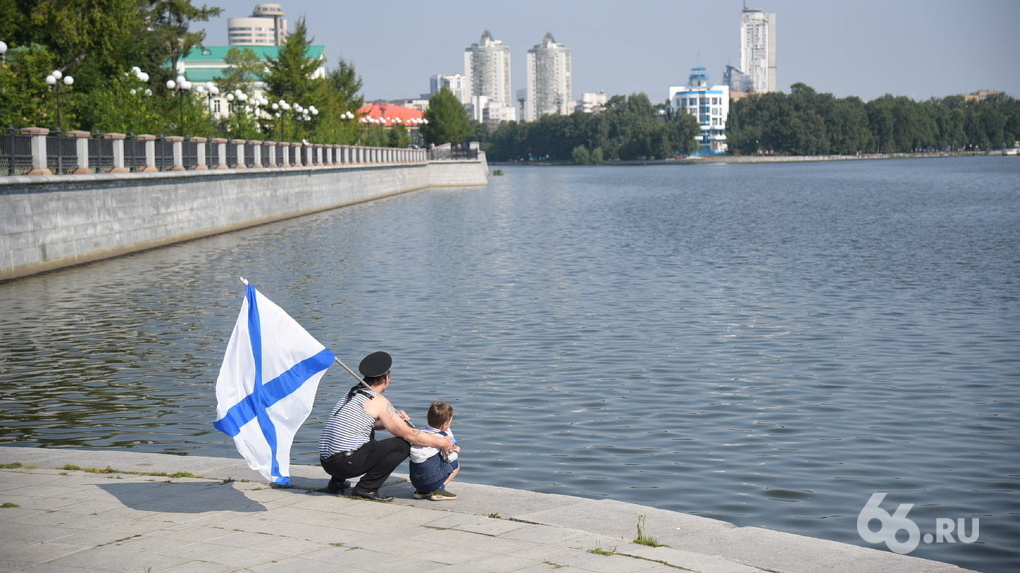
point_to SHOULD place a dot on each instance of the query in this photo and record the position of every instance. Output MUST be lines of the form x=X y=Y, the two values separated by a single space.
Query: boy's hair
x=439 y=414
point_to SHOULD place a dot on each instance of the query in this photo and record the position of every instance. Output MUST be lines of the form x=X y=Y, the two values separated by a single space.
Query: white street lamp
x=180 y=85
x=54 y=80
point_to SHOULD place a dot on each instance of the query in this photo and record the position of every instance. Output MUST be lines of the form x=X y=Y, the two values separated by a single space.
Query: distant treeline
x=805 y=122
x=629 y=128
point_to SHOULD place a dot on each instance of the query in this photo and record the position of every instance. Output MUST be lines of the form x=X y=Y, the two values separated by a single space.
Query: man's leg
x=381 y=458
x=338 y=469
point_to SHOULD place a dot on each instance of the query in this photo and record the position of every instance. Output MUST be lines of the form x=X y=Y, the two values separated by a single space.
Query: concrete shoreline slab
x=130 y=511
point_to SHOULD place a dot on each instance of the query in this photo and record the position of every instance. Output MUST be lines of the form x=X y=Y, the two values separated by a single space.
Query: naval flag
x=267 y=384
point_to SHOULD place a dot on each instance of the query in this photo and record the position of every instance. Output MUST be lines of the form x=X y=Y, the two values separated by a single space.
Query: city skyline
x=919 y=49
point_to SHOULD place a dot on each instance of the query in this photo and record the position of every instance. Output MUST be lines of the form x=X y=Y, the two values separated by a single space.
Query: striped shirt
x=349 y=426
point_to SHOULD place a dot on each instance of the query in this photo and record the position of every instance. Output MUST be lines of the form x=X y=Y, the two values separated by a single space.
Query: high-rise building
x=265 y=27
x=487 y=69
x=709 y=104
x=455 y=83
x=758 y=50
x=549 y=82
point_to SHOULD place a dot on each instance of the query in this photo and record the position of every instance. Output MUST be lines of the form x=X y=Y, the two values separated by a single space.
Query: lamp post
x=259 y=103
x=55 y=78
x=236 y=102
x=3 y=51
x=210 y=91
x=180 y=86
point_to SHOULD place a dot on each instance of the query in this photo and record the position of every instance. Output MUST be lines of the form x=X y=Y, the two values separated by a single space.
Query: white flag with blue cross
x=267 y=384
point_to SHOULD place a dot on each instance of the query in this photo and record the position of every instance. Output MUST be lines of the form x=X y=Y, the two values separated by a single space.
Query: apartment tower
x=487 y=87
x=549 y=81
x=758 y=50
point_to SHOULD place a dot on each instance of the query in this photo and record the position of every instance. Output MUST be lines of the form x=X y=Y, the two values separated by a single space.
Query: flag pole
x=351 y=372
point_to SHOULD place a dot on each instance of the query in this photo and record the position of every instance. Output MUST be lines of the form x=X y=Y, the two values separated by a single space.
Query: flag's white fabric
x=267 y=384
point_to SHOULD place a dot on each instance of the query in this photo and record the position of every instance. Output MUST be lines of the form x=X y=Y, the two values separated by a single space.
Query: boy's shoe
x=422 y=494
x=443 y=495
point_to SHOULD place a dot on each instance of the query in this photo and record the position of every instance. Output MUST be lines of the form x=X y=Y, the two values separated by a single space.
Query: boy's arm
x=391 y=420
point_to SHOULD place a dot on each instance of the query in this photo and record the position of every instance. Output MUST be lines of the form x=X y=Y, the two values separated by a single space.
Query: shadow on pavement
x=182 y=497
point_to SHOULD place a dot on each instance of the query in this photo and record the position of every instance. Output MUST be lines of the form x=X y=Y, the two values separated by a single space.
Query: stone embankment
x=53 y=221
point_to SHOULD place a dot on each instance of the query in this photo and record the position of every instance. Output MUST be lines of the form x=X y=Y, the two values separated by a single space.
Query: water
x=763 y=344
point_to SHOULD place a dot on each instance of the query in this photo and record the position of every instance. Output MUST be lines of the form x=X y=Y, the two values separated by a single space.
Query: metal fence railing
x=15 y=152
x=37 y=151
x=61 y=153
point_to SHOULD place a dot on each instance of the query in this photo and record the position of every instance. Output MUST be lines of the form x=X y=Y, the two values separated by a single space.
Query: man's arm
x=390 y=418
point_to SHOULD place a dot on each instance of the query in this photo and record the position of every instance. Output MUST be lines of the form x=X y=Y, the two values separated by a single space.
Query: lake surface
x=764 y=344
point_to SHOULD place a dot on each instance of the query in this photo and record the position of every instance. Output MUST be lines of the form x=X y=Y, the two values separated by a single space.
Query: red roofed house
x=388 y=115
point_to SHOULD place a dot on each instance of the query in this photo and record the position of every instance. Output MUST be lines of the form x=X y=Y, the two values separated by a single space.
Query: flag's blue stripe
x=255 y=334
x=263 y=396
x=275 y=390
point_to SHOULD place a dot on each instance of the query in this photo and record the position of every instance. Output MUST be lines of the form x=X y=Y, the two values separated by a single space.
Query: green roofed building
x=204 y=65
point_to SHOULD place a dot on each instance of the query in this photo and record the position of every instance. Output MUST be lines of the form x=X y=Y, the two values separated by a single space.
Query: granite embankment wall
x=51 y=222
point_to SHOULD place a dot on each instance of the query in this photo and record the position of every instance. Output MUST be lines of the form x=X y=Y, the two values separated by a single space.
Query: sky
x=864 y=48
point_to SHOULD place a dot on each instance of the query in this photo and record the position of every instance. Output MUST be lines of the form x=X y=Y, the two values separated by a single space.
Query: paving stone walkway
x=116 y=511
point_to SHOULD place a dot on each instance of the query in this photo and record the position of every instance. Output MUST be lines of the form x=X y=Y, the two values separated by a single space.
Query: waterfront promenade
x=80 y=511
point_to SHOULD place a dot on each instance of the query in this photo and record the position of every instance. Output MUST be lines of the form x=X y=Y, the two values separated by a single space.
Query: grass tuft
x=603 y=552
x=643 y=539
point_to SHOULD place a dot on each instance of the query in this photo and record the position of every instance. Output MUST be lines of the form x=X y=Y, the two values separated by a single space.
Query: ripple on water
x=763 y=344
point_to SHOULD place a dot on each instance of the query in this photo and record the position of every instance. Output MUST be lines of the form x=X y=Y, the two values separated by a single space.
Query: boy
x=430 y=469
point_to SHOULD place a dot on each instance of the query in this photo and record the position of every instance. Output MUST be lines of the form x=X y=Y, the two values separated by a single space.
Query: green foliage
x=629 y=128
x=338 y=100
x=584 y=156
x=25 y=98
x=289 y=75
x=245 y=68
x=95 y=42
x=448 y=121
x=581 y=155
x=127 y=105
x=398 y=136
x=805 y=122
x=170 y=21
x=374 y=135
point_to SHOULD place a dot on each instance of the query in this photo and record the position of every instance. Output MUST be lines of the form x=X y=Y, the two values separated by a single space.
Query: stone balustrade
x=38 y=151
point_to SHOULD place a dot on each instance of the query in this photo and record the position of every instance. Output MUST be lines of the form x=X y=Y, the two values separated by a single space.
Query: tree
x=25 y=99
x=398 y=137
x=681 y=131
x=448 y=121
x=289 y=75
x=170 y=22
x=338 y=99
x=244 y=67
x=94 y=41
